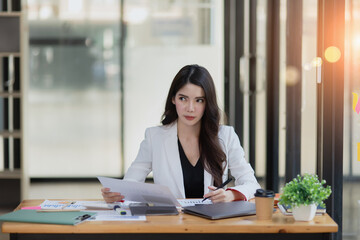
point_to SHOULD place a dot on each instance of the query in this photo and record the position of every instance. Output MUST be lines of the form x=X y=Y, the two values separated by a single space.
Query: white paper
x=140 y=192
x=102 y=215
x=82 y=205
x=193 y=201
x=65 y=205
x=111 y=215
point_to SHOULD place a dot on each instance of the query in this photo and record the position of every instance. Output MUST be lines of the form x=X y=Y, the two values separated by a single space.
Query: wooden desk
x=182 y=226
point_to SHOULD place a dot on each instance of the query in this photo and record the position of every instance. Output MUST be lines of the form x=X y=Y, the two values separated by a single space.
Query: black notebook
x=222 y=210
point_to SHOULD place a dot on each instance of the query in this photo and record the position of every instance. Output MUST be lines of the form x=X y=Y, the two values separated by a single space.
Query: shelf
x=12 y=175
x=10 y=14
x=13 y=94
x=7 y=174
x=7 y=54
x=15 y=134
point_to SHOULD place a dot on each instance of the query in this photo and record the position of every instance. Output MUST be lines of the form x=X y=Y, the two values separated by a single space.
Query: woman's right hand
x=111 y=197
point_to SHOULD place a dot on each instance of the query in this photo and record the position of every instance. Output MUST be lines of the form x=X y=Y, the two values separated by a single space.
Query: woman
x=191 y=153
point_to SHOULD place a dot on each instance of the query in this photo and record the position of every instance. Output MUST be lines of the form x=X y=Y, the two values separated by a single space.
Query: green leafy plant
x=305 y=190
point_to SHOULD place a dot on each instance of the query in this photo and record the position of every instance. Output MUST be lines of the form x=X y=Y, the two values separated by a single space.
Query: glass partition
x=310 y=67
x=351 y=168
x=304 y=77
x=73 y=96
x=88 y=95
x=163 y=36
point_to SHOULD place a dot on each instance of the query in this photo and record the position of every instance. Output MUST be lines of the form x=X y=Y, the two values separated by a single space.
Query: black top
x=193 y=176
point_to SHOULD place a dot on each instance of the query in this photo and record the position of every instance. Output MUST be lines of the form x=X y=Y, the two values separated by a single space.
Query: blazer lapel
x=173 y=156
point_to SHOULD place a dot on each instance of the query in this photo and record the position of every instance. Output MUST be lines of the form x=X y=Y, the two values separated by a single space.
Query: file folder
x=32 y=216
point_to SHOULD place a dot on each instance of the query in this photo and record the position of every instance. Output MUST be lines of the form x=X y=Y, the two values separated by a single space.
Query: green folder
x=32 y=216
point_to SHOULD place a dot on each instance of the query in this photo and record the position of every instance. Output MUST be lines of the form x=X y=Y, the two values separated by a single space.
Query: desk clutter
x=170 y=227
x=72 y=213
x=75 y=212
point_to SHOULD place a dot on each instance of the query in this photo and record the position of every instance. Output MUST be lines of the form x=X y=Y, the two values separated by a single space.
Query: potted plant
x=303 y=194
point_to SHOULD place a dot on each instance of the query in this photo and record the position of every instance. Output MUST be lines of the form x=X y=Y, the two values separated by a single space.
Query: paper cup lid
x=264 y=193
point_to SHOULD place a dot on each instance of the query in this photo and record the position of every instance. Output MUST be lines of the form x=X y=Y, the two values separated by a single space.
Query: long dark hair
x=211 y=153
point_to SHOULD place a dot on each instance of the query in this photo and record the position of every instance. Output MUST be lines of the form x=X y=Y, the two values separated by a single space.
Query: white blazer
x=159 y=153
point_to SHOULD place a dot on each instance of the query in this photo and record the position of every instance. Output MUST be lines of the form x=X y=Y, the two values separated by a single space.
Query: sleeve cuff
x=237 y=194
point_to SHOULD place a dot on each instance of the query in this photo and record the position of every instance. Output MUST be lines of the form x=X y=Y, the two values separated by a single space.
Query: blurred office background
x=96 y=74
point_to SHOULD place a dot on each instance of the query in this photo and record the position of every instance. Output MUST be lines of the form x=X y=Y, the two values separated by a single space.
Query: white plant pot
x=304 y=213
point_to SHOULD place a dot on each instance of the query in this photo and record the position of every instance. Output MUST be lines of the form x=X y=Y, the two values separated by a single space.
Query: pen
x=68 y=205
x=221 y=186
x=83 y=217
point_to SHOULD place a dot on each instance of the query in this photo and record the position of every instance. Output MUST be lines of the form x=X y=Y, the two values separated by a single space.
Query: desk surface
x=182 y=223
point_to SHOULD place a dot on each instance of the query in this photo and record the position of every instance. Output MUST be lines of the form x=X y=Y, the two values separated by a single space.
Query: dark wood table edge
x=173 y=236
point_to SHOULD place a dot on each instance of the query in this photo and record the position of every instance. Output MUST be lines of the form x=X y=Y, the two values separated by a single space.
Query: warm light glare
x=332 y=54
x=307 y=66
x=316 y=62
x=356 y=42
x=292 y=76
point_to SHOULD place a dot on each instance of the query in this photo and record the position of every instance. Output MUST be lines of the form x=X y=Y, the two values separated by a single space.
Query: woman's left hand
x=219 y=195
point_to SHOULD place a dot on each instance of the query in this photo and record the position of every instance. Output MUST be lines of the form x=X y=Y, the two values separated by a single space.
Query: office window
x=303 y=77
x=161 y=37
x=73 y=93
x=87 y=81
x=288 y=76
x=352 y=91
x=351 y=167
x=310 y=66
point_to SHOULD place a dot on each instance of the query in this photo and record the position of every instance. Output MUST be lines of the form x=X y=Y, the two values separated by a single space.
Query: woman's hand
x=110 y=197
x=221 y=195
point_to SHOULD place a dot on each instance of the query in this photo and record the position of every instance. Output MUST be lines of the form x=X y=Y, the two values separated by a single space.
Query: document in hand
x=222 y=210
x=32 y=216
x=141 y=192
